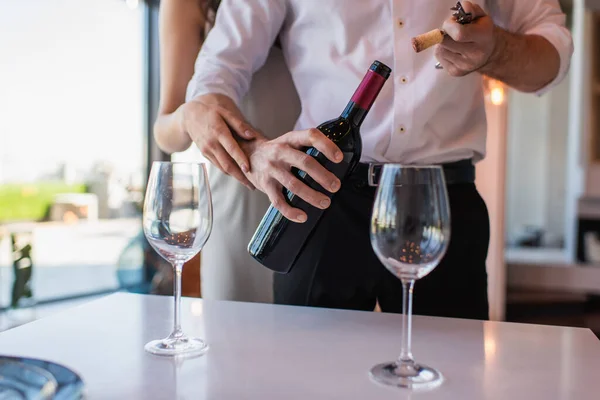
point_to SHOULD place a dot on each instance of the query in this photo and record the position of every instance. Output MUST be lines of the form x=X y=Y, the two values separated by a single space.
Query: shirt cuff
x=561 y=39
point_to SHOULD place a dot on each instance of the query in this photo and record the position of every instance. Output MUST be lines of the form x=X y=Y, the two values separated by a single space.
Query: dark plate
x=21 y=382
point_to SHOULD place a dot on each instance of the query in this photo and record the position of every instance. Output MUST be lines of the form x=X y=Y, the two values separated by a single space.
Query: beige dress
x=228 y=271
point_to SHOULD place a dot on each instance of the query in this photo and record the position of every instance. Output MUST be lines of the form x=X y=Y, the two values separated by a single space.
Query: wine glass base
x=183 y=346
x=412 y=376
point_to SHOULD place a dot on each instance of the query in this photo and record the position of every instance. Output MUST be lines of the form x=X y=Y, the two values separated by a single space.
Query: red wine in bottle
x=278 y=242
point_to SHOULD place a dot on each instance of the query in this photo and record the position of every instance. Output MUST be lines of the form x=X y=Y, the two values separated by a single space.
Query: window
x=72 y=148
x=537 y=195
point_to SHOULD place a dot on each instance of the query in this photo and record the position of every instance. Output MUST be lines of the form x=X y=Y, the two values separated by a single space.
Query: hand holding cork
x=436 y=36
x=427 y=40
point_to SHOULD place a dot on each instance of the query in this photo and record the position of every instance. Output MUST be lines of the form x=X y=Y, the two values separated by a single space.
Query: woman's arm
x=181 y=32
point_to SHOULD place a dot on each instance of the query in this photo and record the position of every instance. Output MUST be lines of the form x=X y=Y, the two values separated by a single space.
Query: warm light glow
x=490 y=344
x=497 y=96
x=494 y=91
x=490 y=348
x=133 y=4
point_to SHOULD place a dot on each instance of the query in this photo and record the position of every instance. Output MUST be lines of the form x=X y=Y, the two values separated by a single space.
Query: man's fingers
x=458 y=32
x=456 y=47
x=474 y=9
x=445 y=57
x=300 y=189
x=312 y=167
x=468 y=33
x=315 y=138
x=278 y=201
x=444 y=53
x=472 y=32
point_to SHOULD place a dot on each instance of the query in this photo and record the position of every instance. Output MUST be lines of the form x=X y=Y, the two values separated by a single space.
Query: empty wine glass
x=410 y=232
x=177 y=222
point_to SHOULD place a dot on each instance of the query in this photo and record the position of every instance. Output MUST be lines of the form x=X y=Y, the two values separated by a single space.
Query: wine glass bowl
x=177 y=222
x=410 y=233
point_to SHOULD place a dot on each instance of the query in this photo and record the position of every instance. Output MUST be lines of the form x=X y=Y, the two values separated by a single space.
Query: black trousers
x=339 y=269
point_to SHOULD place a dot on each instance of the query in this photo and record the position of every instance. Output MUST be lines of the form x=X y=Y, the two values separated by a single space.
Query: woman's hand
x=211 y=123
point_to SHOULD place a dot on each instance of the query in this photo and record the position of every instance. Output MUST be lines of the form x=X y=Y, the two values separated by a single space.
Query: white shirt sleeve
x=537 y=17
x=236 y=47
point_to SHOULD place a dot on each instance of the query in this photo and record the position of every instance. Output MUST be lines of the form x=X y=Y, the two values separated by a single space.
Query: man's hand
x=272 y=161
x=210 y=121
x=467 y=48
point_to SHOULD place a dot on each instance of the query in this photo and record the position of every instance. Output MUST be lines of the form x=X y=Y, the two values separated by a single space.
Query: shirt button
x=404 y=79
x=400 y=23
x=401 y=129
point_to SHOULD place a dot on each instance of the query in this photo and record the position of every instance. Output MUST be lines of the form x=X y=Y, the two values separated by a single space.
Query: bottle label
x=368 y=90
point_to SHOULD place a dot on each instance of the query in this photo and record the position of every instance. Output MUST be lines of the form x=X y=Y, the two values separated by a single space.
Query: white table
x=275 y=352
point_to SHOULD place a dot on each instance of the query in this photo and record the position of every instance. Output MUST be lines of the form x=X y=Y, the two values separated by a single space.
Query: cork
x=426 y=40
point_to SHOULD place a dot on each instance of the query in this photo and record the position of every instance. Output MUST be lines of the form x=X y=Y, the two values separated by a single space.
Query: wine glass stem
x=406 y=356
x=178 y=268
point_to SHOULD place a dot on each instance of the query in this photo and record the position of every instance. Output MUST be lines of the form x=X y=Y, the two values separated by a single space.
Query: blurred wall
x=536 y=161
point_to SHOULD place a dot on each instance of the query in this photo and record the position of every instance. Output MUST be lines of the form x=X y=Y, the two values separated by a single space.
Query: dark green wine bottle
x=278 y=242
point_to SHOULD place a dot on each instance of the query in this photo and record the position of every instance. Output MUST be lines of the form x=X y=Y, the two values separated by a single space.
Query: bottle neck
x=363 y=98
x=355 y=114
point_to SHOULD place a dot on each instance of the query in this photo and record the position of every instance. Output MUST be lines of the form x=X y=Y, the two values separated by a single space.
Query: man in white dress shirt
x=422 y=116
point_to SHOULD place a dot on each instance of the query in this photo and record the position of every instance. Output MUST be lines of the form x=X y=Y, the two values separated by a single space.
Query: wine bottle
x=278 y=242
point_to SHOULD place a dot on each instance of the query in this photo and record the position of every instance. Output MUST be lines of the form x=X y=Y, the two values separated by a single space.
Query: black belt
x=455 y=173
